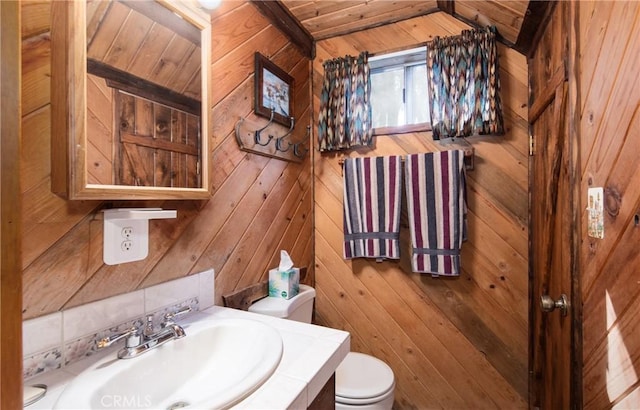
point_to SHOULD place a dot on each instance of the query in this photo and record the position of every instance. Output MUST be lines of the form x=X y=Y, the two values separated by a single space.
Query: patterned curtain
x=345 y=108
x=464 y=84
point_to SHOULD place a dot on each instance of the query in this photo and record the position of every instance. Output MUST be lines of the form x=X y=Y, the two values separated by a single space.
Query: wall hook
x=297 y=152
x=257 y=132
x=279 y=145
x=296 y=147
x=281 y=139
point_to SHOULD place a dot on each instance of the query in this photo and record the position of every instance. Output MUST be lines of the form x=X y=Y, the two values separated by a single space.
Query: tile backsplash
x=53 y=341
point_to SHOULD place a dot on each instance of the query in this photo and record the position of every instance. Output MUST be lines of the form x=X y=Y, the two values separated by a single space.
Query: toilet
x=363 y=382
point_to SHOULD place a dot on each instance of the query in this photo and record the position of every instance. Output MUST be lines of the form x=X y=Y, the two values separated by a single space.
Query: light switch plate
x=595 y=211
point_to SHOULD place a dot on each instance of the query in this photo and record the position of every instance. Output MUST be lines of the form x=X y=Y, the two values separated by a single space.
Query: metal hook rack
x=281 y=147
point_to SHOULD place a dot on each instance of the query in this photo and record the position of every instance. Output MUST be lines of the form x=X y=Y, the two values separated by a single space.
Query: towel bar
x=469 y=153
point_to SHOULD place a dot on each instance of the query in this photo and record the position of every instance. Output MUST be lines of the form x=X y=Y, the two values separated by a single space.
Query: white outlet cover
x=114 y=250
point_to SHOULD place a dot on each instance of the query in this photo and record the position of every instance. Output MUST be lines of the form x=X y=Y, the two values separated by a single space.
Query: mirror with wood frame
x=129 y=99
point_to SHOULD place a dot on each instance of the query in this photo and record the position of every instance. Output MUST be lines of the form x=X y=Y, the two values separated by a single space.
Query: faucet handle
x=169 y=317
x=132 y=335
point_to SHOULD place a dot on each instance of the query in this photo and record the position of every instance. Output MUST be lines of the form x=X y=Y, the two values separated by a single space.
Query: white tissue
x=284 y=281
x=285 y=262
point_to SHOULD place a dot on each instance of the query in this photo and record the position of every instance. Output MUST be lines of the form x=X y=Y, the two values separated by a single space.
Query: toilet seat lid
x=361 y=376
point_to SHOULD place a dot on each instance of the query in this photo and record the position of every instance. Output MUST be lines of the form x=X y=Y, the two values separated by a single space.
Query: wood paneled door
x=551 y=258
x=553 y=203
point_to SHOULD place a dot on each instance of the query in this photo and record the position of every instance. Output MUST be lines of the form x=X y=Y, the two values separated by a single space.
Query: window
x=399 y=92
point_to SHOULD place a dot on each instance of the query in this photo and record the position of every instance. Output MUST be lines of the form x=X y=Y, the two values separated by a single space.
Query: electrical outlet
x=127 y=232
x=127 y=246
x=125 y=240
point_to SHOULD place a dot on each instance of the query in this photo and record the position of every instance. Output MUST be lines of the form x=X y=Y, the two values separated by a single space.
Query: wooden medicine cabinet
x=129 y=100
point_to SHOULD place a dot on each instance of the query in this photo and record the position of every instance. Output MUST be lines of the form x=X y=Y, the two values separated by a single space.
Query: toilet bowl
x=363 y=382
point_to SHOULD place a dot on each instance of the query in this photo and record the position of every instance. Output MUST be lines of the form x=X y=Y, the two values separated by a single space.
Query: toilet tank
x=299 y=307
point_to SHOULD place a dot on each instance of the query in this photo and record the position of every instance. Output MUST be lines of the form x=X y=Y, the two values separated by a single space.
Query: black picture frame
x=273 y=88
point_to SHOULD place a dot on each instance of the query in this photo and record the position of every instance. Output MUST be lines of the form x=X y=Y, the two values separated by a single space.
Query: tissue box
x=284 y=284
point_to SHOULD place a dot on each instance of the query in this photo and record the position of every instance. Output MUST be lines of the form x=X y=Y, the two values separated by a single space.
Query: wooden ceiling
x=517 y=21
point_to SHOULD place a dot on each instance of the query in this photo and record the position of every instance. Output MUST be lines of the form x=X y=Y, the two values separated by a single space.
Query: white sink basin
x=216 y=365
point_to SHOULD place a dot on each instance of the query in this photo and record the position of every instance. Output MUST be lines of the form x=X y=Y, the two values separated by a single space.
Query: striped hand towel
x=437 y=211
x=372 y=207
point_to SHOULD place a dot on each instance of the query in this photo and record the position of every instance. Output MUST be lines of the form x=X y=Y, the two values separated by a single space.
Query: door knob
x=549 y=305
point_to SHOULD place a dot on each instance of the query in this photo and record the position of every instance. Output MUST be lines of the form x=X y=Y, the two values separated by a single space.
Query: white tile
x=326 y=370
x=41 y=333
x=339 y=337
x=170 y=293
x=206 y=289
x=315 y=366
x=85 y=319
x=297 y=345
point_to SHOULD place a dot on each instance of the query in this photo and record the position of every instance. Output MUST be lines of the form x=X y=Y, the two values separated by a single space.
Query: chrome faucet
x=139 y=341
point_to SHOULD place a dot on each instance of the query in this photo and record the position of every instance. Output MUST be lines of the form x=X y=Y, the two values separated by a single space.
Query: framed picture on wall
x=274 y=91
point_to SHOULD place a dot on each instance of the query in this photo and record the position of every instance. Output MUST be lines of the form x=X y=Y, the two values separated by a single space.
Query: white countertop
x=311 y=355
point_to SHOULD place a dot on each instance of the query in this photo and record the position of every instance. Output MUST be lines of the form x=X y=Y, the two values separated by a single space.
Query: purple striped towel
x=437 y=211
x=372 y=207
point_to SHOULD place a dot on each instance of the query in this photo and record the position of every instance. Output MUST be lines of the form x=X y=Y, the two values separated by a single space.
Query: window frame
x=403 y=58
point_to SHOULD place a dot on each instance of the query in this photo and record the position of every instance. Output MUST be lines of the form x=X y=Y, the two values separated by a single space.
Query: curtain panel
x=464 y=84
x=344 y=120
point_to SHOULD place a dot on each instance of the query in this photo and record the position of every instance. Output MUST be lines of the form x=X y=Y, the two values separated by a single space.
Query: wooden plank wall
x=258 y=206
x=10 y=209
x=609 y=41
x=452 y=343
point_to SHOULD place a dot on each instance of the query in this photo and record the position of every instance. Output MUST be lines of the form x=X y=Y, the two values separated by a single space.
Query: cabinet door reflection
x=139 y=71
